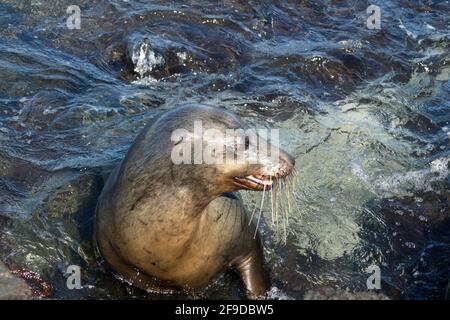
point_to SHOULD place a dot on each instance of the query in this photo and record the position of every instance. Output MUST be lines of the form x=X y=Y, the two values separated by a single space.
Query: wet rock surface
x=12 y=287
x=419 y=231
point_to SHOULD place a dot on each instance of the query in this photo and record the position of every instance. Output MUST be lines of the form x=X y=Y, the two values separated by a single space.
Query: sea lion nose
x=287 y=159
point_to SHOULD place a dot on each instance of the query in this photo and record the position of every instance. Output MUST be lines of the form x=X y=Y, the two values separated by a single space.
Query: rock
x=12 y=287
x=74 y=197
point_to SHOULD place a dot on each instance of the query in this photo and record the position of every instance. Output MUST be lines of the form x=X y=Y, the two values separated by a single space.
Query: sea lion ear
x=178 y=142
x=182 y=146
x=180 y=135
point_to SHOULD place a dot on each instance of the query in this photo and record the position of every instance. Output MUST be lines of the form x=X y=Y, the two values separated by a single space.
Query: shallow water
x=365 y=112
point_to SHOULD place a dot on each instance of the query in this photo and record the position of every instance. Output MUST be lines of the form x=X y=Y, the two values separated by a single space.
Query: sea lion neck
x=192 y=203
x=158 y=187
x=197 y=194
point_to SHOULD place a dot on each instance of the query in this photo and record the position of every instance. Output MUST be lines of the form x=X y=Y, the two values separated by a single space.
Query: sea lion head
x=214 y=149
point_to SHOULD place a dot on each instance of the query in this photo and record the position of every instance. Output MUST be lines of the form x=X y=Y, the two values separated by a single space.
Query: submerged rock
x=417 y=235
x=336 y=294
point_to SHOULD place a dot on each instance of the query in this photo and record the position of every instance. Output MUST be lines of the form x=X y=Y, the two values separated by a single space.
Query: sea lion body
x=166 y=227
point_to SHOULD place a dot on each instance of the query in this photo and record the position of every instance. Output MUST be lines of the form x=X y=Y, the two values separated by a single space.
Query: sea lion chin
x=166 y=227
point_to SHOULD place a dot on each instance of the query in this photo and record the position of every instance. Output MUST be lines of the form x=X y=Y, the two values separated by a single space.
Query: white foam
x=276 y=294
x=144 y=81
x=145 y=59
x=398 y=183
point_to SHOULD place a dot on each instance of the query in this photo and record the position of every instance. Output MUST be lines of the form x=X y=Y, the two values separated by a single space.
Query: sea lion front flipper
x=253 y=274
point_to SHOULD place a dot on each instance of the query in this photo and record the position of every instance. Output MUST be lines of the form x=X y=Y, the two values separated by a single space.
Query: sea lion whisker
x=285 y=206
x=293 y=175
x=288 y=192
x=282 y=204
x=291 y=192
x=271 y=202
x=291 y=199
x=278 y=207
x=288 y=207
x=253 y=213
x=260 y=212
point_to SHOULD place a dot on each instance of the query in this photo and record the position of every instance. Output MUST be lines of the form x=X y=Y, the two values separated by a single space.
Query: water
x=365 y=112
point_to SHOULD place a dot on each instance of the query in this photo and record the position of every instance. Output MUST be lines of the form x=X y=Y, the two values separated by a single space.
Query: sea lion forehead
x=206 y=114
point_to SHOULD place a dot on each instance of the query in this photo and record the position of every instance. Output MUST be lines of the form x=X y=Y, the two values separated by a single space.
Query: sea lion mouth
x=255 y=182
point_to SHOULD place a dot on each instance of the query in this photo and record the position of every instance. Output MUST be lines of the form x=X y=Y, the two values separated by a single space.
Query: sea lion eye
x=247 y=143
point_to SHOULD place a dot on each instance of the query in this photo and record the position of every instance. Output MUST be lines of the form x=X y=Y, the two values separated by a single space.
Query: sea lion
x=166 y=227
